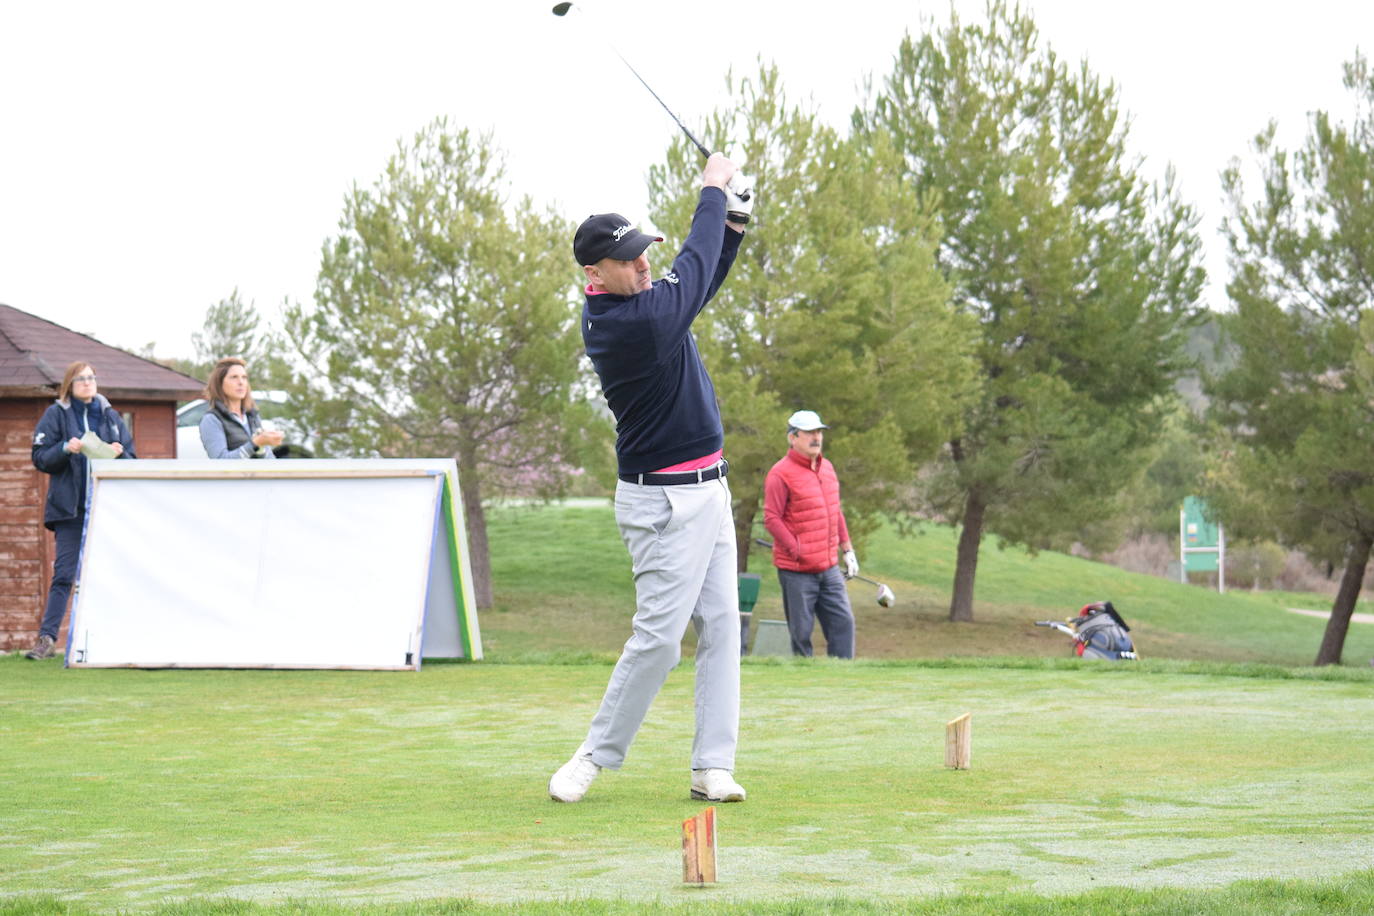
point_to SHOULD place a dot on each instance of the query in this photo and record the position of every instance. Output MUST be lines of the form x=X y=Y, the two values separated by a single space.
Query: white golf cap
x=806 y=420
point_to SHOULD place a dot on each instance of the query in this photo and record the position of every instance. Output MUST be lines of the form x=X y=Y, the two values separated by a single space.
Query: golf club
x=738 y=185
x=562 y=9
x=1061 y=627
x=885 y=595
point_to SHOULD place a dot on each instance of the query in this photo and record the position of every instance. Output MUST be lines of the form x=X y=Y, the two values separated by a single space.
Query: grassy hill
x=562 y=584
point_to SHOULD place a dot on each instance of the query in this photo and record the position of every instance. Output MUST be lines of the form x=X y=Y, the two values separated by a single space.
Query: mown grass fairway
x=1212 y=777
x=132 y=788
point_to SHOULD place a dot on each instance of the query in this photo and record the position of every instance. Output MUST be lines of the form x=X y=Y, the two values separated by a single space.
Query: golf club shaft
x=705 y=153
x=562 y=9
x=769 y=544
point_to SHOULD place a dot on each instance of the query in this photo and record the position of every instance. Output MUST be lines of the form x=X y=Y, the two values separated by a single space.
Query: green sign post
x=1201 y=543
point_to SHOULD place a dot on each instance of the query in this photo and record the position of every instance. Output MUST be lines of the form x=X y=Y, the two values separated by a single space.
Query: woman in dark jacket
x=57 y=451
x=231 y=428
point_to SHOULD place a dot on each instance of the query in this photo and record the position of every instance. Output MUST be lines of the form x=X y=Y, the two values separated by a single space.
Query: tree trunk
x=1333 y=640
x=745 y=511
x=479 y=554
x=966 y=562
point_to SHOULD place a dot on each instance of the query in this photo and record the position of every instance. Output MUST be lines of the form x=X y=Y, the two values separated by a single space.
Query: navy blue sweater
x=643 y=351
x=60 y=422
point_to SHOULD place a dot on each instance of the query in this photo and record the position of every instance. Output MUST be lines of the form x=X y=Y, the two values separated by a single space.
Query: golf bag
x=1099 y=632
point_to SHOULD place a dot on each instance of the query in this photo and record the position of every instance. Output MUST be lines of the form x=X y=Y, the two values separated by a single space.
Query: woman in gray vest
x=232 y=428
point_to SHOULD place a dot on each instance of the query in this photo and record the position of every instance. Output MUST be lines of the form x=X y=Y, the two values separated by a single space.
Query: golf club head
x=885 y=596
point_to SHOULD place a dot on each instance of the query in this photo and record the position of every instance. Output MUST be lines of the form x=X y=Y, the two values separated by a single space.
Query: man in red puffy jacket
x=801 y=509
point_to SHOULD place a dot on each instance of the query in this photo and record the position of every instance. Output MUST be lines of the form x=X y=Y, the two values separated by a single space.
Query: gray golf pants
x=808 y=597
x=682 y=547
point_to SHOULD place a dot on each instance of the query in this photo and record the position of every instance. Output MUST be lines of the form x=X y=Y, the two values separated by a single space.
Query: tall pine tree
x=834 y=305
x=1298 y=407
x=446 y=324
x=1079 y=274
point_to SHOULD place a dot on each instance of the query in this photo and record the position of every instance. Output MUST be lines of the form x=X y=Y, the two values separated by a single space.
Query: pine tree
x=446 y=324
x=834 y=305
x=1080 y=275
x=1297 y=456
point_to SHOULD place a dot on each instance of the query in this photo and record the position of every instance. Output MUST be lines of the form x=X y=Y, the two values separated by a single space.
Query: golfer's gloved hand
x=851 y=564
x=739 y=198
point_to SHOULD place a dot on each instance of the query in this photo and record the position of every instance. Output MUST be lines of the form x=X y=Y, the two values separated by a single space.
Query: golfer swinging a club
x=672 y=503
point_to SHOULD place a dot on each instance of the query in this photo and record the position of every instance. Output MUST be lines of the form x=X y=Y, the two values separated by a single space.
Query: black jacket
x=67 y=488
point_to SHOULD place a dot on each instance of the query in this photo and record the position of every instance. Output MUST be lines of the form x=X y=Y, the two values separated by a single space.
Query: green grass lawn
x=1219 y=775
x=129 y=789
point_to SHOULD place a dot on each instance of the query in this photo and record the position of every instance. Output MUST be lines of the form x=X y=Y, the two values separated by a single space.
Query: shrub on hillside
x=1157 y=555
x=1256 y=565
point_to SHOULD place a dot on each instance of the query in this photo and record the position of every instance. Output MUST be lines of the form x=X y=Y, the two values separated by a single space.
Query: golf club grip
x=705 y=153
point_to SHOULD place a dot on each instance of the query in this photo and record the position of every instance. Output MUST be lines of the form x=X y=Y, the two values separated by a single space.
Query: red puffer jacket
x=801 y=509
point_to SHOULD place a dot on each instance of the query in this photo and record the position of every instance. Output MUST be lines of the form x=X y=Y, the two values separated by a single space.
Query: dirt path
x=1354 y=618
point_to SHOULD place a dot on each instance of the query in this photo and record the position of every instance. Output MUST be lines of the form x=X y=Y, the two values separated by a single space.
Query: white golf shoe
x=573 y=779
x=716 y=785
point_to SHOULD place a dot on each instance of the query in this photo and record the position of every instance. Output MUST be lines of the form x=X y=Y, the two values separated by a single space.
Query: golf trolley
x=1098 y=632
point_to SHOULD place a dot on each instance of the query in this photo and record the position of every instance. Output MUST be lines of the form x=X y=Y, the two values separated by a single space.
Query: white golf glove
x=851 y=564
x=739 y=198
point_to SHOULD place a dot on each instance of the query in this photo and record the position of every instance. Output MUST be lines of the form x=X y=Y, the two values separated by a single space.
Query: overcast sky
x=156 y=156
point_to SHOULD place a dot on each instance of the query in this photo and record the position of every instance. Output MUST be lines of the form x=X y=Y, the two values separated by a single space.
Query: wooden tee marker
x=959 y=742
x=699 y=848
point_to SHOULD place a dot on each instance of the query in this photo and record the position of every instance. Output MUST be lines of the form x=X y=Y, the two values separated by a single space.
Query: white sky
x=154 y=156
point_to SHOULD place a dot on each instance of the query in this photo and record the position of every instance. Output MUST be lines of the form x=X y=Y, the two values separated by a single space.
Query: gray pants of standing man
x=682 y=545
x=808 y=597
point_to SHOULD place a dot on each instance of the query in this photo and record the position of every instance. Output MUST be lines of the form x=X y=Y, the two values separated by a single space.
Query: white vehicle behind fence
x=271 y=406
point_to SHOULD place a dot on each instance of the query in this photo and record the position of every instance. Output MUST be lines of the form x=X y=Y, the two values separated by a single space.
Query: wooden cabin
x=34 y=354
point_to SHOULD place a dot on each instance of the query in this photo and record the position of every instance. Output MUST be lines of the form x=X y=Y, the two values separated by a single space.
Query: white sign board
x=285 y=564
